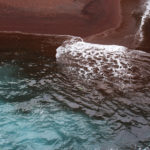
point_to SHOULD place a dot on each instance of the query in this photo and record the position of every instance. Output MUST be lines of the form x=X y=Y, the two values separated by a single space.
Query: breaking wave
x=113 y=64
x=91 y=90
x=146 y=14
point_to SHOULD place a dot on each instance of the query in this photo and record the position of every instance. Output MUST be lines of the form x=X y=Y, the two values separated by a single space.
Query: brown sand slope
x=125 y=33
x=75 y=17
x=97 y=21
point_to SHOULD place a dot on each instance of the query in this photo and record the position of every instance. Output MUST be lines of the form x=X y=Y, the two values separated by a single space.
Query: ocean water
x=33 y=111
x=92 y=97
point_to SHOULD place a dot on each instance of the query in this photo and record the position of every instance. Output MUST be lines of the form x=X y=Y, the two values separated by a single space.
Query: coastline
x=96 y=21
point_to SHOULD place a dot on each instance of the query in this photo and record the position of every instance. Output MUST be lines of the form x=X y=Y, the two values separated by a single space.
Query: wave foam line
x=91 y=60
x=146 y=15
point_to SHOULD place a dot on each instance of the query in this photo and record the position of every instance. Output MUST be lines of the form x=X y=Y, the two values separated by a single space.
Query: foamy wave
x=146 y=15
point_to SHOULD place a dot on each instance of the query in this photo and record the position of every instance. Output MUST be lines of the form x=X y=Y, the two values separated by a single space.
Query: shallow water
x=93 y=97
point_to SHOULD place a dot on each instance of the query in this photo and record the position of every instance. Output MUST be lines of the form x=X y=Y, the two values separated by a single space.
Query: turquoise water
x=32 y=115
x=37 y=126
x=42 y=106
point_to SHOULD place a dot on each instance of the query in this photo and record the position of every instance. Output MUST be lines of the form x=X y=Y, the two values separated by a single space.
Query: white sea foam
x=140 y=34
x=94 y=61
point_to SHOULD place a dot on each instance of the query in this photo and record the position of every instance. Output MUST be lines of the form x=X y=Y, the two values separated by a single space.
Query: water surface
x=91 y=97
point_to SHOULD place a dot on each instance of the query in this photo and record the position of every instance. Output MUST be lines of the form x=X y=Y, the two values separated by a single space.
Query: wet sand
x=97 y=21
x=35 y=44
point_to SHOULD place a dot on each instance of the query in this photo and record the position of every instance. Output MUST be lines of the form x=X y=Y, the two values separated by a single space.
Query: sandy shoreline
x=124 y=34
x=78 y=17
x=97 y=21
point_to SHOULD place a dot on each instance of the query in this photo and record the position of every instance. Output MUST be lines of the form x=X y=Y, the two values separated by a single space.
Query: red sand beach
x=97 y=21
x=73 y=17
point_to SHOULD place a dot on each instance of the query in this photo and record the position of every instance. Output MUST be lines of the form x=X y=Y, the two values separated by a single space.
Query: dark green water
x=44 y=105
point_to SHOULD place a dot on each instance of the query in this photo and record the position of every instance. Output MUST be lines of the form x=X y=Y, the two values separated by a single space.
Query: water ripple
x=66 y=104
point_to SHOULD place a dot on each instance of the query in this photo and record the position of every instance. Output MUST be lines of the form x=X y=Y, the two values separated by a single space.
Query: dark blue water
x=44 y=106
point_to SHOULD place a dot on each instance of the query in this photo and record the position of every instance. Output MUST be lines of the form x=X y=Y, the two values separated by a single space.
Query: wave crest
x=113 y=64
